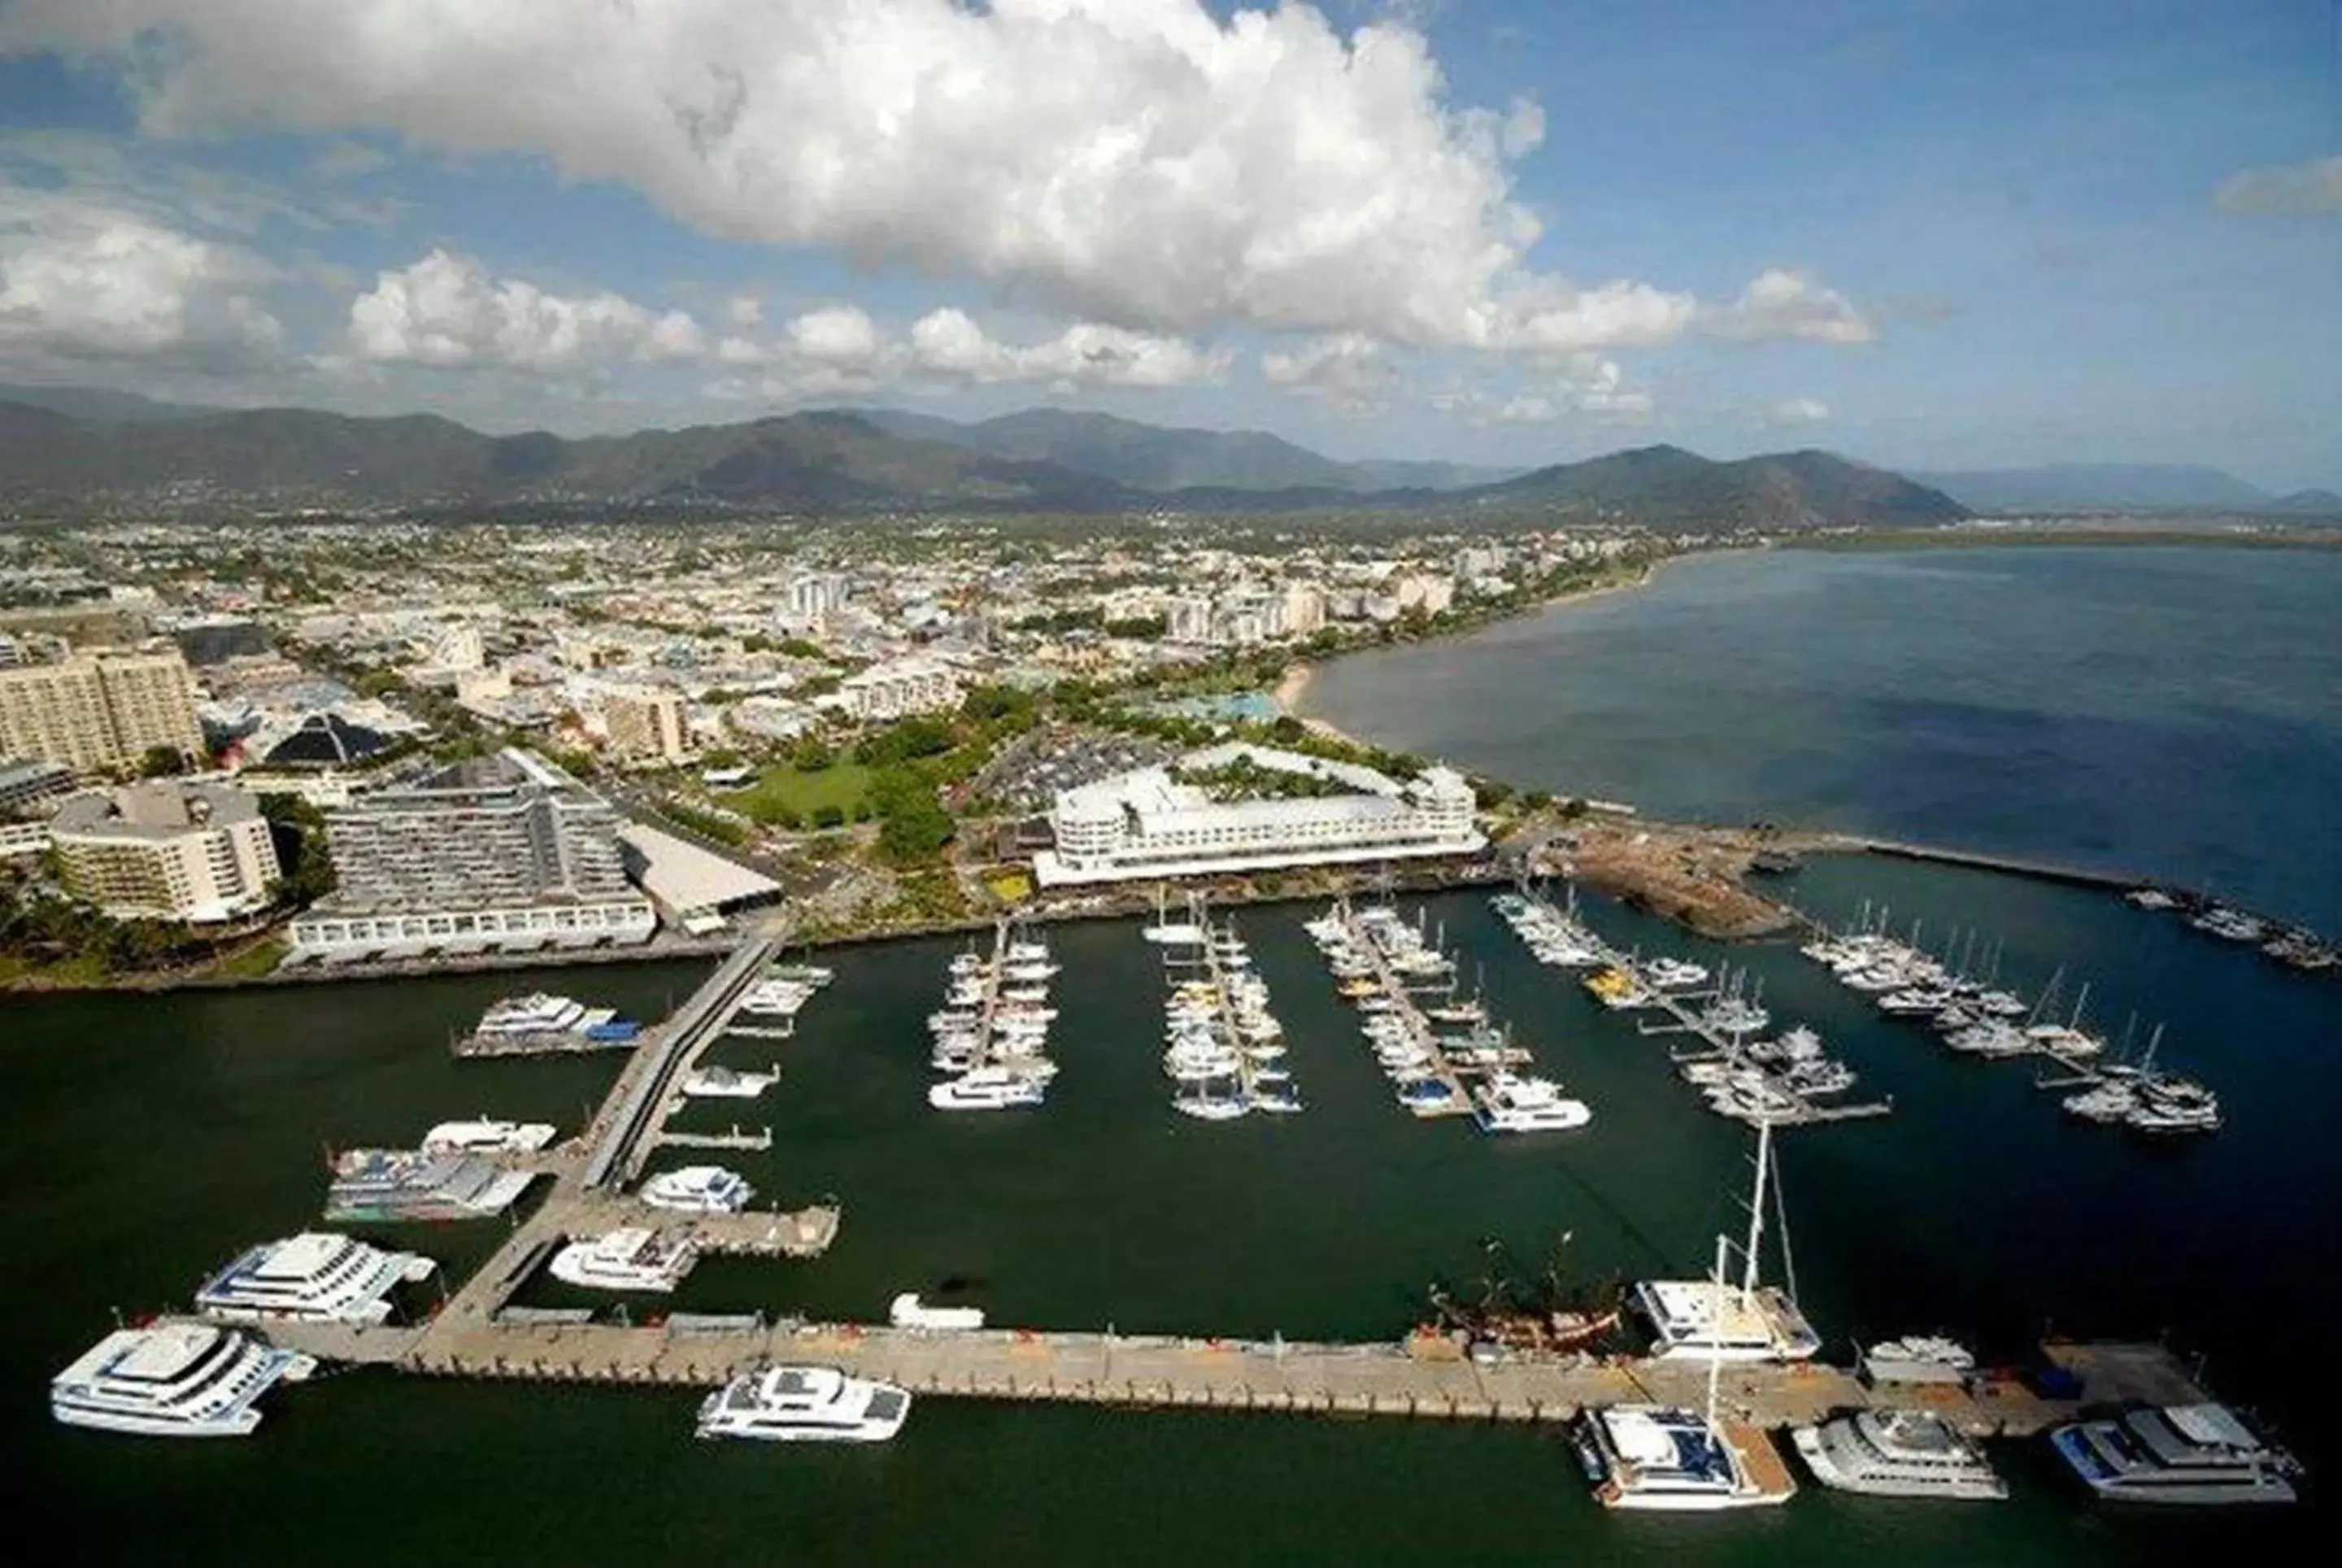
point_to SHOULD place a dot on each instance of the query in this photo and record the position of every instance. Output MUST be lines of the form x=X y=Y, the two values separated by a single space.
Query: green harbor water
x=149 y=1140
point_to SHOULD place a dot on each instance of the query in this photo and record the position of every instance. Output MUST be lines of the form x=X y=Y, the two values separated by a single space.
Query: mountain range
x=116 y=447
x=2121 y=487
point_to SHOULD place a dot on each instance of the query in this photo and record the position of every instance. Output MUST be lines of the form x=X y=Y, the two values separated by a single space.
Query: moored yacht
x=2201 y=1455
x=535 y=1013
x=803 y=1404
x=314 y=1276
x=175 y=1380
x=987 y=1089
x=1897 y=1454
x=635 y=1258
x=482 y=1135
x=721 y=1082
x=699 y=1189
x=1507 y=1102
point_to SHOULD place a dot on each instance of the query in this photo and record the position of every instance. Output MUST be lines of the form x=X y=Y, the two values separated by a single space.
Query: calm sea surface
x=145 y=1140
x=2176 y=712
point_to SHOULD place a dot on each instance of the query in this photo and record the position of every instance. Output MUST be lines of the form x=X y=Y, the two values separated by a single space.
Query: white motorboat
x=1509 y=1103
x=1672 y=974
x=908 y=1311
x=313 y=1277
x=1212 y=1107
x=1277 y=1098
x=535 y=1013
x=2199 y=1455
x=699 y=1189
x=727 y=1083
x=803 y=1404
x=1897 y=1454
x=635 y=1258
x=987 y=1089
x=175 y=1380
x=485 y=1136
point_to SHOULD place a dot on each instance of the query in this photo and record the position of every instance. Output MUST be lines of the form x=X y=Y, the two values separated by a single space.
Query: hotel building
x=166 y=850
x=1149 y=824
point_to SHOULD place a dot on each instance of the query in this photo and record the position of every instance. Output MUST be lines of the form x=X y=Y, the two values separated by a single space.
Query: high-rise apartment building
x=101 y=710
x=508 y=852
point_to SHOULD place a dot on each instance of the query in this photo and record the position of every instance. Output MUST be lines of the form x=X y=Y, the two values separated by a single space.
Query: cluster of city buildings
x=305 y=661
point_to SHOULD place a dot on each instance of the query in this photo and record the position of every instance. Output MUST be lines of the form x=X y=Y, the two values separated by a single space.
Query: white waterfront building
x=1148 y=824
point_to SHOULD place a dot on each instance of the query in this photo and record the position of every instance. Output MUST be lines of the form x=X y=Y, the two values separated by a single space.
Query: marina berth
x=2199 y=1456
x=803 y=1404
x=699 y=1189
x=1897 y=1454
x=174 y=1380
x=635 y=1258
x=314 y=1276
x=483 y=1135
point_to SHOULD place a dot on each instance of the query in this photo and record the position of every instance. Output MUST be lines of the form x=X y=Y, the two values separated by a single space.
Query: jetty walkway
x=1176 y=1372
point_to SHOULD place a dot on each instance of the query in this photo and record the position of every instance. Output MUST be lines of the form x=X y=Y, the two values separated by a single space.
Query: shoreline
x=1294 y=686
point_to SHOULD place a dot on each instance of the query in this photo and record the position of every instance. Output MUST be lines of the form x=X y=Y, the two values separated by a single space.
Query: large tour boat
x=175 y=1380
x=2198 y=1454
x=314 y=1276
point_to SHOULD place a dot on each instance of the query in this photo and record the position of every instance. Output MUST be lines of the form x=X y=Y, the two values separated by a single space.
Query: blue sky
x=1931 y=235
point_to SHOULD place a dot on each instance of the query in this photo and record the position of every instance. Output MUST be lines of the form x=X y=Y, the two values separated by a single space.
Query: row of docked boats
x=992 y=1033
x=2296 y=947
x=1652 y=1456
x=1224 y=1049
x=1440 y=1051
x=462 y=1170
x=1974 y=1017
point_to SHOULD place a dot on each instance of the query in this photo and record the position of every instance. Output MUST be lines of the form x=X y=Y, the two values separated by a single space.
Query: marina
x=1784 y=1081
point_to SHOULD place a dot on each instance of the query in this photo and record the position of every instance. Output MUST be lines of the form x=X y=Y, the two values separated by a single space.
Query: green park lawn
x=784 y=789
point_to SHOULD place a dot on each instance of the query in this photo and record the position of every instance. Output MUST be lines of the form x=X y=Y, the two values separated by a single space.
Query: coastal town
x=241 y=751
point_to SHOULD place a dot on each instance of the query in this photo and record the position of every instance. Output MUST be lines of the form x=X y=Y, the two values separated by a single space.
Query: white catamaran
x=1753 y=1324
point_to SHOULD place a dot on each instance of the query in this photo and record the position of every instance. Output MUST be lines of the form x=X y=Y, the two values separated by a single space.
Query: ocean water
x=148 y=1138
x=2176 y=712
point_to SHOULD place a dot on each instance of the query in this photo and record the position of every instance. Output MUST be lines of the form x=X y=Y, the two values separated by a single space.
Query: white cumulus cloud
x=1145 y=163
x=88 y=281
x=447 y=311
x=1781 y=304
x=1797 y=411
x=1585 y=383
x=947 y=345
x=1349 y=370
x=2284 y=190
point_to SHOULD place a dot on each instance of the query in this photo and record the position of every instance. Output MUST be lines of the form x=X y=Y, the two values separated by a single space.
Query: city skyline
x=1495 y=233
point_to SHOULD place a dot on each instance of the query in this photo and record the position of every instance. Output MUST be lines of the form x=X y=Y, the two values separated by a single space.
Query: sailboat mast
x=1715 y=1331
x=1757 y=1208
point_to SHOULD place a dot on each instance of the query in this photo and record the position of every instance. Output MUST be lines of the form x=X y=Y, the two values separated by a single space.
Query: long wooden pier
x=1174 y=1372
